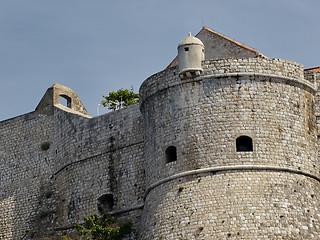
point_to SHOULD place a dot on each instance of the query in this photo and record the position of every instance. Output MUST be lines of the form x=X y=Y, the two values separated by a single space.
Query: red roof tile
x=313 y=69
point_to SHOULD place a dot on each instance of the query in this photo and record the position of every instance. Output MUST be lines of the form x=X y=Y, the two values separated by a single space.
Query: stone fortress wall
x=24 y=167
x=102 y=157
x=171 y=165
x=90 y=161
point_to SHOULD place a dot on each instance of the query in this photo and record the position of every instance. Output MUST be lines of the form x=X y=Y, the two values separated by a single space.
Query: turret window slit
x=171 y=154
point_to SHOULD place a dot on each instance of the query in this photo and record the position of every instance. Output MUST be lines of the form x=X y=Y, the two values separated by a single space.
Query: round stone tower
x=230 y=153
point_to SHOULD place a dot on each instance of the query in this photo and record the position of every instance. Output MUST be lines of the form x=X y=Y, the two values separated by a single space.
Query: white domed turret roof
x=190 y=40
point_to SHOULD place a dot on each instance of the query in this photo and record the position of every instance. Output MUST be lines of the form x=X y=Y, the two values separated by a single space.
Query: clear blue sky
x=96 y=46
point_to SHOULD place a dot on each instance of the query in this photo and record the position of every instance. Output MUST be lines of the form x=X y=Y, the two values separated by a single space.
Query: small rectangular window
x=186 y=49
x=171 y=154
x=65 y=101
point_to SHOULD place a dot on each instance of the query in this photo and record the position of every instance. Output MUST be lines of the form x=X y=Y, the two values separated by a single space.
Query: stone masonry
x=229 y=153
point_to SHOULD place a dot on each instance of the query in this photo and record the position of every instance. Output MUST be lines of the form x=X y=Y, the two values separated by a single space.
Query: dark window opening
x=186 y=49
x=171 y=154
x=244 y=144
x=105 y=203
x=65 y=101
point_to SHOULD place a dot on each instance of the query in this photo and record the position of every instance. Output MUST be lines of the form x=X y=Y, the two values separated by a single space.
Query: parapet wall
x=232 y=67
x=271 y=67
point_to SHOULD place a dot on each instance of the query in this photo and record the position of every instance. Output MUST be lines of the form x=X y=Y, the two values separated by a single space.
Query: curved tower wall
x=212 y=190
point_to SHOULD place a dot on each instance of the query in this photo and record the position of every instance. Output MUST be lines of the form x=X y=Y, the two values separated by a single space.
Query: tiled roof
x=313 y=69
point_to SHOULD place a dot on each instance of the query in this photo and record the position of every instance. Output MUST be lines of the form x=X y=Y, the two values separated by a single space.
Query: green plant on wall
x=120 y=98
x=45 y=145
x=48 y=193
x=101 y=228
x=43 y=213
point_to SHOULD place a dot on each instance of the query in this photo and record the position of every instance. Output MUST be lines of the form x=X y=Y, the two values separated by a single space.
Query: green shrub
x=48 y=193
x=43 y=213
x=103 y=228
x=52 y=232
x=45 y=145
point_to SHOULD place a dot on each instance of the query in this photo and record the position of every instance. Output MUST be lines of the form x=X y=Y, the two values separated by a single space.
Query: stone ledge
x=229 y=168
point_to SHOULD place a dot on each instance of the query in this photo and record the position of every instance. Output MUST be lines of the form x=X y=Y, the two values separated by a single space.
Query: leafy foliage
x=102 y=228
x=120 y=98
x=48 y=193
x=45 y=145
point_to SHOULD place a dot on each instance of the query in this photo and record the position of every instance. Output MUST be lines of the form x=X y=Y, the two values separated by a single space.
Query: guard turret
x=190 y=56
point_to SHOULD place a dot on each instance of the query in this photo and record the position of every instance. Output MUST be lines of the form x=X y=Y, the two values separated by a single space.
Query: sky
x=98 y=46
